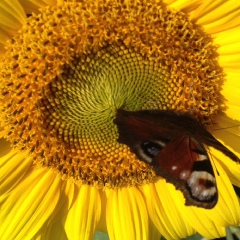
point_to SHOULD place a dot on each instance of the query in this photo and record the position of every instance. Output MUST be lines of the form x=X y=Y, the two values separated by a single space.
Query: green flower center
x=81 y=103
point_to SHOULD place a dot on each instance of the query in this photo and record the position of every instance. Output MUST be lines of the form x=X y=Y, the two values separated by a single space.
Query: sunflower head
x=72 y=66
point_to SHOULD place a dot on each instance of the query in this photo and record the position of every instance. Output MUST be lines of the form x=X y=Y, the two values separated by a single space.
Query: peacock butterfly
x=174 y=145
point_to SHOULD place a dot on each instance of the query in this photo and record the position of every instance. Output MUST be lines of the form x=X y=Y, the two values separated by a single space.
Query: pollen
x=72 y=66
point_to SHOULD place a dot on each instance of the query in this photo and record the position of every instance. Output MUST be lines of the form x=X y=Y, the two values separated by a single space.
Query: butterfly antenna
x=211 y=156
x=213 y=142
x=217 y=129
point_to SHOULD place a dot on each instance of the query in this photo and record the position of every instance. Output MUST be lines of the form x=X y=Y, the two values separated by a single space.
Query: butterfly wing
x=165 y=124
x=185 y=163
x=165 y=140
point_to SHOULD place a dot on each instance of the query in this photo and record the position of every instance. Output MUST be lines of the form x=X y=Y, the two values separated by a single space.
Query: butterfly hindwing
x=173 y=145
x=185 y=163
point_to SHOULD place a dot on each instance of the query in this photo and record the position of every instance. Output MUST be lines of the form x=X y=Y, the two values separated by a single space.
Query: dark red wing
x=176 y=157
x=185 y=163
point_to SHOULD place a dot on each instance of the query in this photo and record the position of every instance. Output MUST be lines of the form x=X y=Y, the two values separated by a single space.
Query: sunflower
x=66 y=67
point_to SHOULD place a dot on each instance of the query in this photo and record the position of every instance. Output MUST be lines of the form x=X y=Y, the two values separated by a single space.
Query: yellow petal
x=198 y=218
x=69 y=190
x=228 y=132
x=230 y=90
x=5 y=148
x=225 y=125
x=127 y=216
x=227 y=211
x=232 y=111
x=232 y=75
x=230 y=49
x=205 y=8
x=203 y=225
x=232 y=96
x=216 y=10
x=163 y=212
x=51 y=230
x=219 y=16
x=102 y=226
x=184 y=5
x=32 y=6
x=29 y=205
x=229 y=61
x=13 y=167
x=227 y=37
x=154 y=233
x=84 y=214
x=12 y=14
x=12 y=19
x=231 y=168
x=228 y=22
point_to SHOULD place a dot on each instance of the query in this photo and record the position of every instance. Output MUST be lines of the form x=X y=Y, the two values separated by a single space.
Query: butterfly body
x=174 y=145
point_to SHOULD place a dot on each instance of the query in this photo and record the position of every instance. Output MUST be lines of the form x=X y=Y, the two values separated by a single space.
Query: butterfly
x=174 y=145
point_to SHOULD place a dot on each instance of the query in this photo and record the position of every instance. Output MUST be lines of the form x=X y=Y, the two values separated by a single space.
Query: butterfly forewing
x=173 y=145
